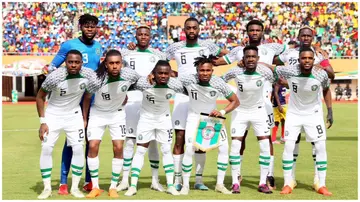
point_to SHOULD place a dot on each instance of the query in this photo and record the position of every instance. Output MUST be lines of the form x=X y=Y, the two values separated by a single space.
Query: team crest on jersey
x=152 y=59
x=233 y=130
x=314 y=87
x=168 y=96
x=208 y=132
x=286 y=133
x=213 y=93
x=258 y=83
x=123 y=89
x=82 y=86
x=140 y=137
x=201 y=52
x=177 y=122
x=98 y=51
x=131 y=130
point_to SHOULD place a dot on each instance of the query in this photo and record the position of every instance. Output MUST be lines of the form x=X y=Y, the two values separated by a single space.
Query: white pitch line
x=20 y=130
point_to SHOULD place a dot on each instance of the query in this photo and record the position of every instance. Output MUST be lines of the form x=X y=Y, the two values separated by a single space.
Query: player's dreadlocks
x=87 y=18
x=204 y=59
x=101 y=71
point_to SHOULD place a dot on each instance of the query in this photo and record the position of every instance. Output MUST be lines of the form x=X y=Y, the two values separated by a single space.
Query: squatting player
x=184 y=53
x=305 y=111
x=250 y=82
x=203 y=90
x=108 y=111
x=155 y=123
x=64 y=113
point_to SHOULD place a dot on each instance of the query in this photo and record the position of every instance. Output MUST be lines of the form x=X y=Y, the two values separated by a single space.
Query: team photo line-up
x=129 y=92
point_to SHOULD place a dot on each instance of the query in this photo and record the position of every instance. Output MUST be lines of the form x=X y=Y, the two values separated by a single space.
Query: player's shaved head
x=162 y=72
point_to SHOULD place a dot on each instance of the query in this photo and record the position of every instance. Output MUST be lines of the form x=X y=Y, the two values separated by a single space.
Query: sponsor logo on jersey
x=314 y=87
x=82 y=86
x=258 y=83
x=98 y=51
x=233 y=130
x=140 y=137
x=124 y=88
x=201 y=52
x=208 y=132
x=168 y=96
x=213 y=93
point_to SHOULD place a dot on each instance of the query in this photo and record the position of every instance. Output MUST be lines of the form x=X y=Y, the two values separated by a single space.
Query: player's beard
x=86 y=38
x=192 y=39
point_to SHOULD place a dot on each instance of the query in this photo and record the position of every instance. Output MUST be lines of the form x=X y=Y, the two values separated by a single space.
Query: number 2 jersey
x=67 y=89
x=111 y=95
x=304 y=89
x=291 y=56
x=143 y=62
x=203 y=96
x=250 y=85
x=185 y=54
x=155 y=101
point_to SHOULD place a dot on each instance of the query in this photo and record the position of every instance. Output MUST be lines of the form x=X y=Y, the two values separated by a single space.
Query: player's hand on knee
x=215 y=113
x=44 y=130
x=131 y=46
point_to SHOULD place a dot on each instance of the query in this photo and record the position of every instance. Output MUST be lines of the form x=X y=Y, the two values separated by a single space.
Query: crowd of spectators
x=40 y=28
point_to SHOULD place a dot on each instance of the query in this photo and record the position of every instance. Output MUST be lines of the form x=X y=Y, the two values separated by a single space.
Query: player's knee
x=118 y=148
x=78 y=150
x=289 y=146
x=264 y=147
x=141 y=150
x=224 y=149
x=320 y=146
x=165 y=148
x=130 y=143
x=46 y=150
x=235 y=146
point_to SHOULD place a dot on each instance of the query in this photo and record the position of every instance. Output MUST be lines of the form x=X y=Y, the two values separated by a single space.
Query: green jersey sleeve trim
x=44 y=90
x=219 y=51
x=227 y=97
x=282 y=62
x=227 y=60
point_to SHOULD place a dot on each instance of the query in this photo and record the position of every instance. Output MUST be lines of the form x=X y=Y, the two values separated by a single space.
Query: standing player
x=155 y=123
x=266 y=52
x=291 y=57
x=91 y=53
x=184 y=53
x=142 y=60
x=279 y=104
x=107 y=111
x=305 y=111
x=64 y=113
x=251 y=83
x=203 y=90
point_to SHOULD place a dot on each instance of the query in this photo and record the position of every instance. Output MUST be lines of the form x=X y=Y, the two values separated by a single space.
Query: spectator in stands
x=338 y=92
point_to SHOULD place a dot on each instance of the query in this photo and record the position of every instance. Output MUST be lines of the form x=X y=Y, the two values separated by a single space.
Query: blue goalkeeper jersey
x=91 y=54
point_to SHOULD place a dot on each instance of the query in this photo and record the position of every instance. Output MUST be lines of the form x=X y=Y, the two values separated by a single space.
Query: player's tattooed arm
x=40 y=104
x=86 y=107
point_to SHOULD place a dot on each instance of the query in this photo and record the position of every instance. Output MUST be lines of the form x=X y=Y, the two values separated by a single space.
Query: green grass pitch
x=22 y=179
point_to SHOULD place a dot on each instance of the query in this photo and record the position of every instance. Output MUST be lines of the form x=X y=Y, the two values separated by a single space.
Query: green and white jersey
x=185 y=54
x=203 y=97
x=143 y=62
x=304 y=89
x=67 y=90
x=266 y=53
x=291 y=57
x=155 y=100
x=111 y=95
x=250 y=86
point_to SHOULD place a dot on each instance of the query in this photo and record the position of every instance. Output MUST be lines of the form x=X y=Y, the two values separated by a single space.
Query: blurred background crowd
x=40 y=28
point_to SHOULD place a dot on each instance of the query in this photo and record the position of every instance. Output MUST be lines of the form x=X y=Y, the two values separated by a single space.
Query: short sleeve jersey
x=203 y=96
x=143 y=62
x=291 y=57
x=304 y=89
x=111 y=95
x=250 y=85
x=185 y=54
x=155 y=101
x=67 y=89
x=91 y=54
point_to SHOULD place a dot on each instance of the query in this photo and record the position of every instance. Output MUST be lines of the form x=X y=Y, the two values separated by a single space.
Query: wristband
x=42 y=120
x=222 y=112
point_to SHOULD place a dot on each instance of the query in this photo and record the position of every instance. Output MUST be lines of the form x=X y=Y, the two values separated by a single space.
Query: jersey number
x=194 y=94
x=294 y=87
x=292 y=61
x=85 y=58
x=150 y=98
x=183 y=59
x=271 y=118
x=170 y=133
x=240 y=87
x=105 y=96
x=319 y=129
x=123 y=129
x=62 y=92
x=223 y=135
x=132 y=64
x=81 y=133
